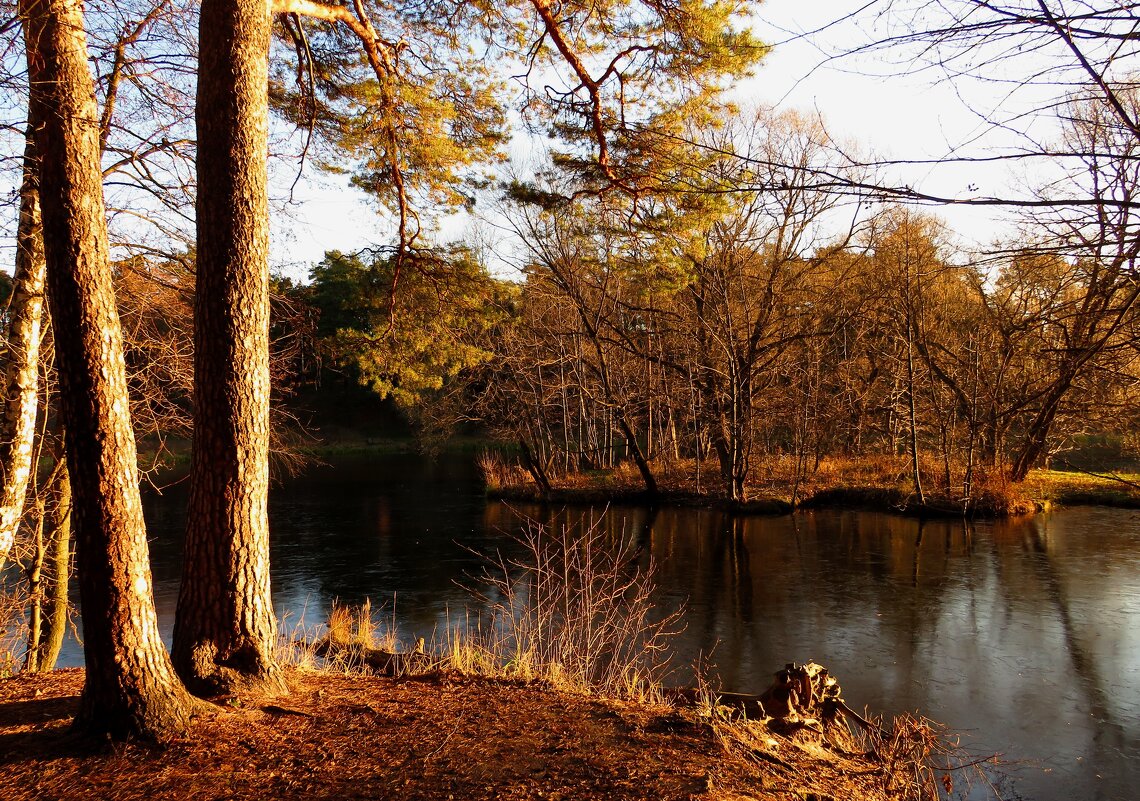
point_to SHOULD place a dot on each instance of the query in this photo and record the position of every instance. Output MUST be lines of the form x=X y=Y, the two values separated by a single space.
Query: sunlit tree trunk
x=56 y=570
x=225 y=631
x=49 y=570
x=25 y=326
x=130 y=688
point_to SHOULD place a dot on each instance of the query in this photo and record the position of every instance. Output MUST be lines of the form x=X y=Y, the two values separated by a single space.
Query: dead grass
x=922 y=761
x=349 y=625
x=498 y=472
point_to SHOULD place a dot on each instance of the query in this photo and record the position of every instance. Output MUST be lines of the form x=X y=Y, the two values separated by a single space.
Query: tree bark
x=25 y=329
x=57 y=569
x=225 y=631
x=130 y=687
x=1037 y=434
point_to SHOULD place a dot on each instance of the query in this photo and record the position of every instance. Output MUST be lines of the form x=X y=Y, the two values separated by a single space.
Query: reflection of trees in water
x=918 y=551
x=727 y=588
x=1110 y=737
x=765 y=586
x=766 y=590
x=1029 y=582
x=645 y=533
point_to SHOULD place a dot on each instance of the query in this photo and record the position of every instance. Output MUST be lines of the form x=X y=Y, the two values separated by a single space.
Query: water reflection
x=1019 y=633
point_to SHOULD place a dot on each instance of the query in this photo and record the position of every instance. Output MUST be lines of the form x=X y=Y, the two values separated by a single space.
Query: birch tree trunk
x=21 y=374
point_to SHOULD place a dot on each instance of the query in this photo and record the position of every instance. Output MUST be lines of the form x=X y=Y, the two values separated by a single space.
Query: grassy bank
x=879 y=483
x=1073 y=488
x=876 y=483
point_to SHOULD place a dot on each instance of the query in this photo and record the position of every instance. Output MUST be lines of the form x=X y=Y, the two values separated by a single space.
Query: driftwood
x=807 y=696
x=801 y=696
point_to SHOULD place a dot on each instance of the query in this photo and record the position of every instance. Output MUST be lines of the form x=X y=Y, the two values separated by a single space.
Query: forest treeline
x=748 y=324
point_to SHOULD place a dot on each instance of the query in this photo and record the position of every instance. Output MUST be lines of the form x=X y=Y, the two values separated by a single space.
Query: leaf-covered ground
x=442 y=736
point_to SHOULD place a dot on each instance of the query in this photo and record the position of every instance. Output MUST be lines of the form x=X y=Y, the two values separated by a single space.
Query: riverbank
x=874 y=484
x=1084 y=488
x=439 y=736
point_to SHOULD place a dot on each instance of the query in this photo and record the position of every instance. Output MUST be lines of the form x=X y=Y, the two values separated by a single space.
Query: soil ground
x=441 y=736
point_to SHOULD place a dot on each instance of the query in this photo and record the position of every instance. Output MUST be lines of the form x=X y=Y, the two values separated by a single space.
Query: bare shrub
x=574 y=609
x=923 y=761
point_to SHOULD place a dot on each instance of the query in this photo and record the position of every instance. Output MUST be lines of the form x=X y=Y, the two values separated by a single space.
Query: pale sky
x=890 y=108
x=883 y=100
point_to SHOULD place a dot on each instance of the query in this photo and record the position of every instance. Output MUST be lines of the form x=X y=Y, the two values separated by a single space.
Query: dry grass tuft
x=355 y=625
x=349 y=643
x=498 y=474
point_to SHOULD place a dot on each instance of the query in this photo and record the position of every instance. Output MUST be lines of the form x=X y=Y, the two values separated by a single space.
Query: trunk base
x=244 y=672
x=153 y=715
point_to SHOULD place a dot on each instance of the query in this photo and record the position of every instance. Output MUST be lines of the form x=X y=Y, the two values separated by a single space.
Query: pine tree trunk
x=130 y=687
x=21 y=379
x=225 y=631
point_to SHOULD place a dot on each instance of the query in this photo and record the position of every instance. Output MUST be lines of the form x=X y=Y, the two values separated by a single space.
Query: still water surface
x=1021 y=634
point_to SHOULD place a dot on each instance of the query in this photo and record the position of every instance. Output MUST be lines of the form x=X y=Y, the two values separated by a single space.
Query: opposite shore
x=873 y=484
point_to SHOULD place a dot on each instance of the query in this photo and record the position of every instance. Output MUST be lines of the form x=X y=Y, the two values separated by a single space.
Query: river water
x=1021 y=635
